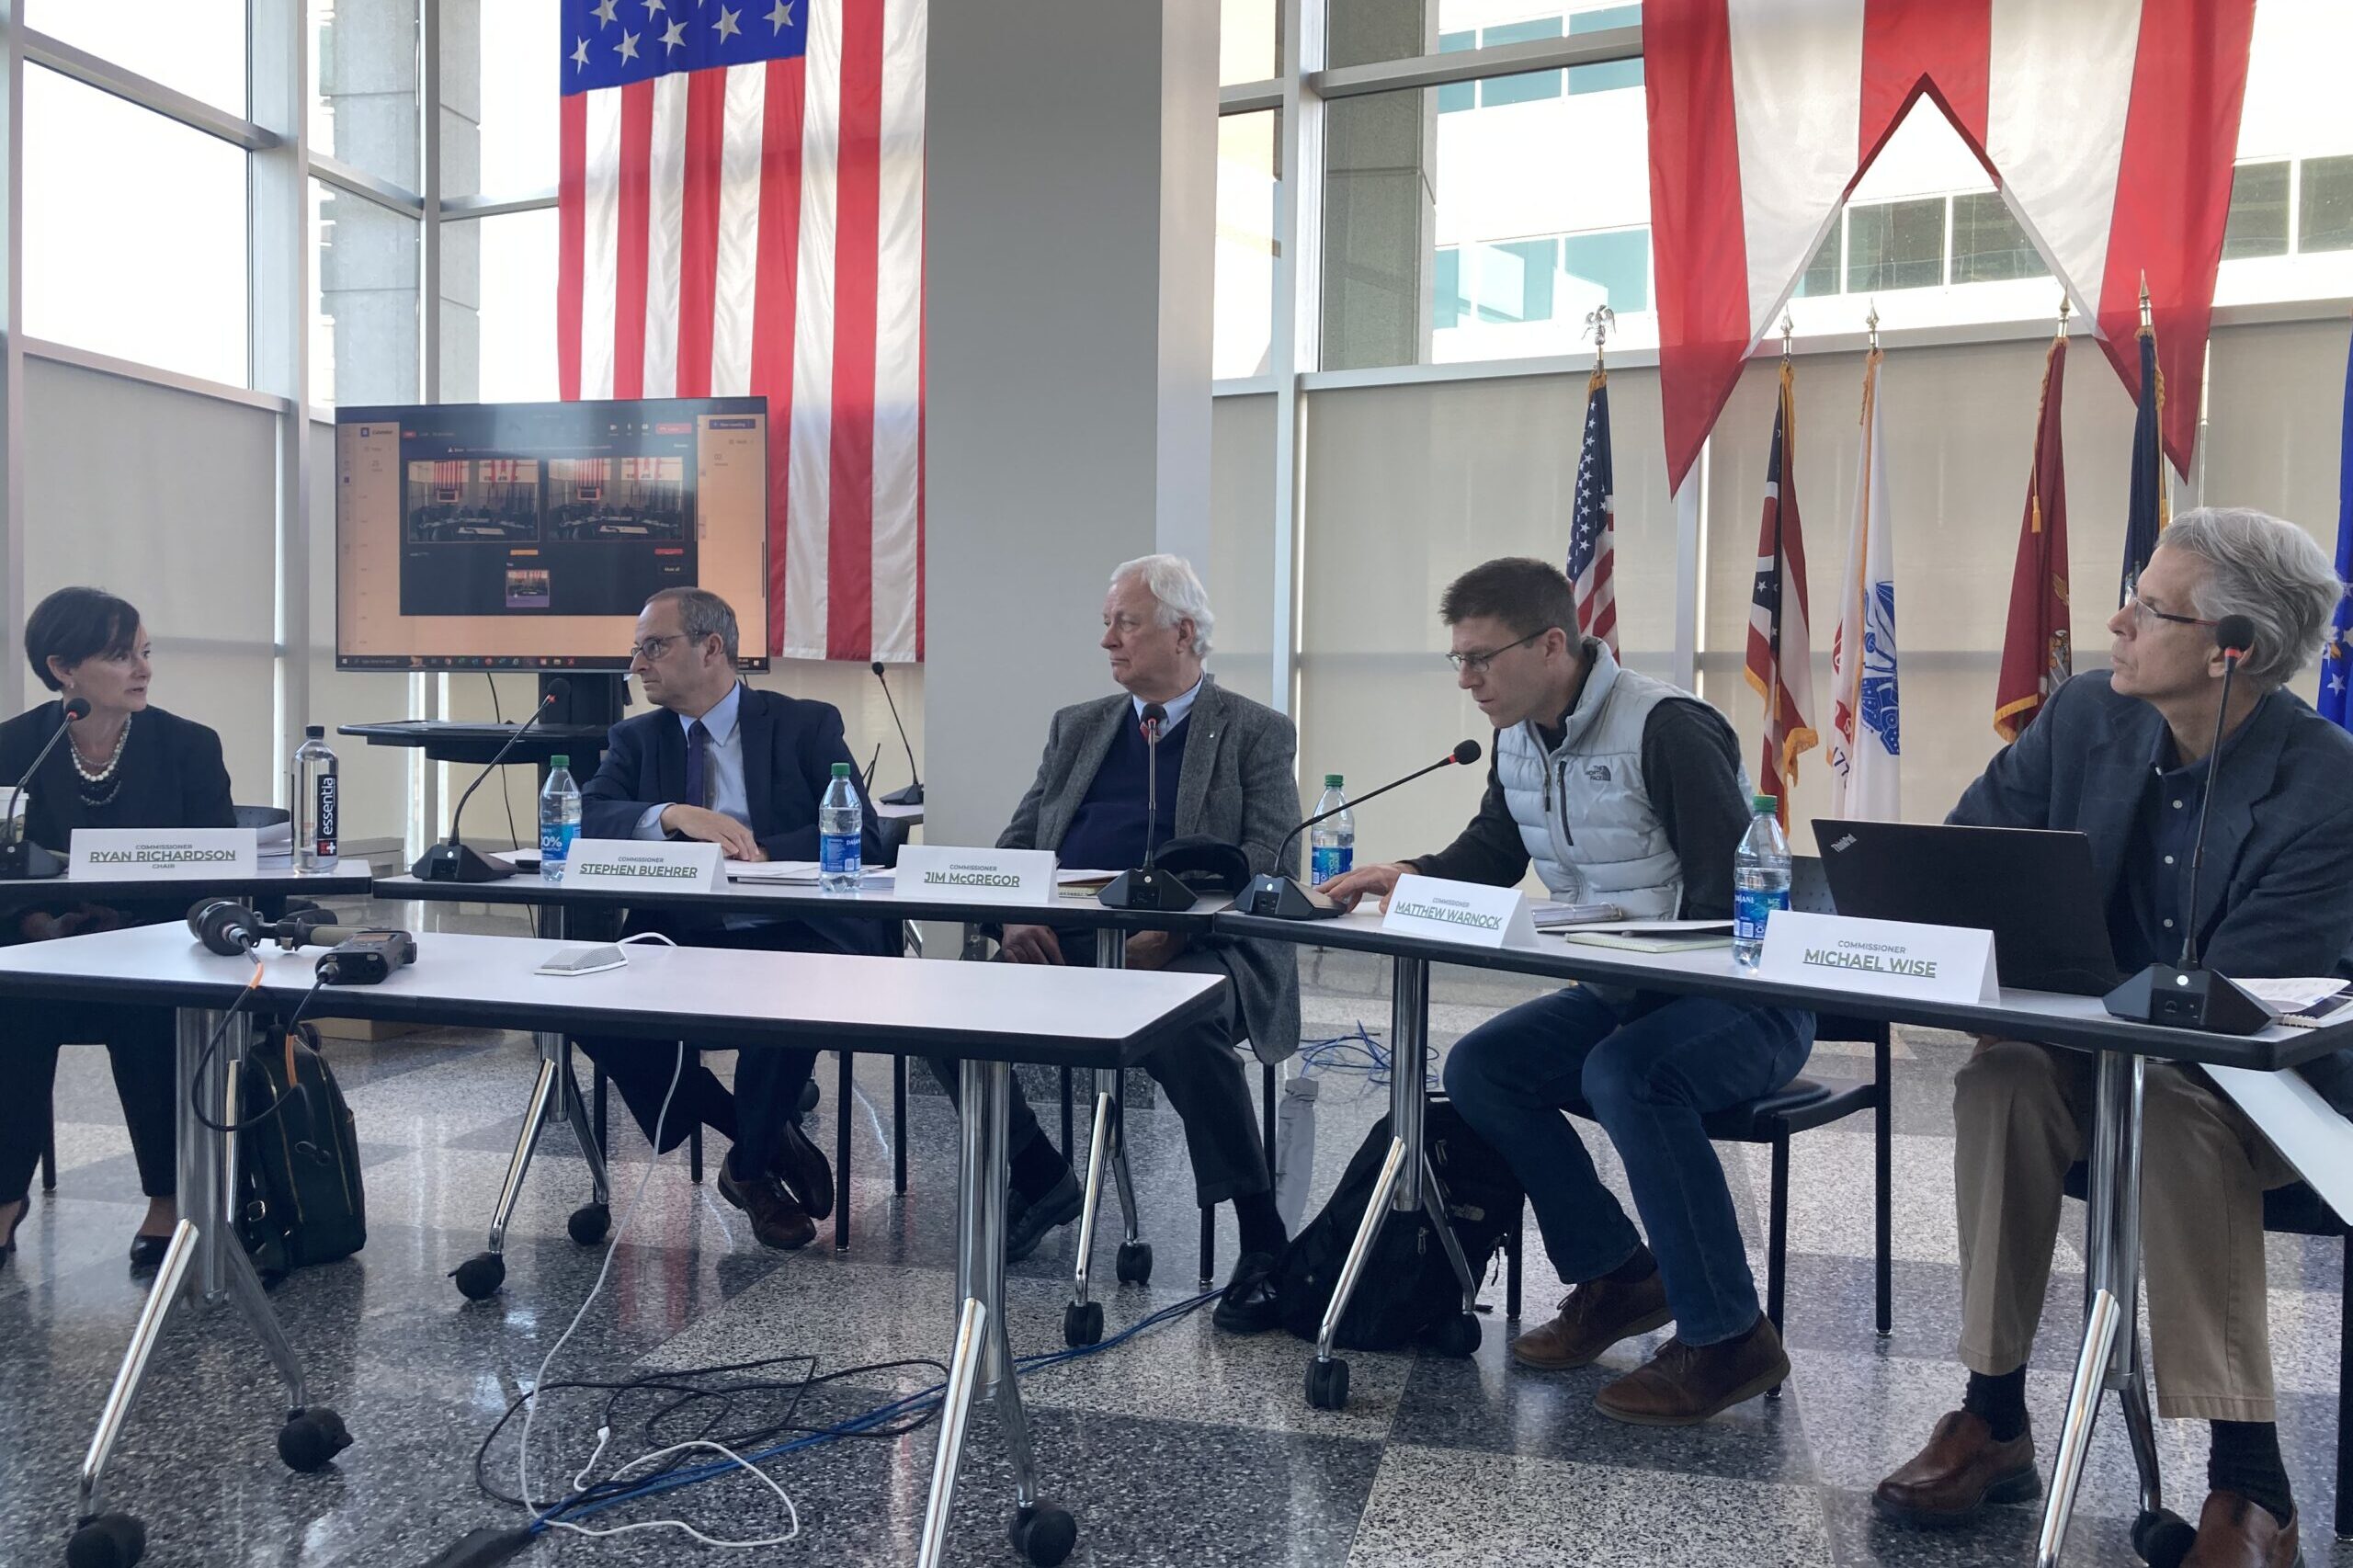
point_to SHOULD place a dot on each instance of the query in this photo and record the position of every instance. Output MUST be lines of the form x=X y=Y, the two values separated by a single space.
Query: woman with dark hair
x=127 y=765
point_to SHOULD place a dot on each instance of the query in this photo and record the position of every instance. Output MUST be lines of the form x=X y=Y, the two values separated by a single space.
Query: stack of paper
x=796 y=874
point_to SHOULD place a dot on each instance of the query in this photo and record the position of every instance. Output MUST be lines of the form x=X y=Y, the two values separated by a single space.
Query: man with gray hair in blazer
x=1226 y=773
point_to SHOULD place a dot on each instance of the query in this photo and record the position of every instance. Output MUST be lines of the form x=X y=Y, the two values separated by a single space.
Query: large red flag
x=2036 y=653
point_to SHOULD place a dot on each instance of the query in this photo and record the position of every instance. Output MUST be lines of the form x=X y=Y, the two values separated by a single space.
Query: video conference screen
x=527 y=536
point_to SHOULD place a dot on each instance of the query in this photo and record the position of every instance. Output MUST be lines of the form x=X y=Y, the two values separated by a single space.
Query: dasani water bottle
x=840 y=823
x=559 y=818
x=1760 y=880
x=1332 y=845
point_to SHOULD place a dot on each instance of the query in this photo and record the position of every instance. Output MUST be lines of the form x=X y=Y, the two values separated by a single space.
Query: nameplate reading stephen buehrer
x=664 y=870
x=1870 y=958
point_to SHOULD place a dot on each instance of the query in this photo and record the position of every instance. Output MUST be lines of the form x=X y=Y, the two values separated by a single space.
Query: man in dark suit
x=720 y=763
x=2120 y=756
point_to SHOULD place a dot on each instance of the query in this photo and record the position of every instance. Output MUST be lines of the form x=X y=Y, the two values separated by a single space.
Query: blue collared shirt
x=1177 y=705
x=723 y=764
x=2144 y=918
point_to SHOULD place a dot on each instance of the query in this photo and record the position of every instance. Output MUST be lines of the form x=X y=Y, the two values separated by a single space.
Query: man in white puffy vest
x=1621 y=789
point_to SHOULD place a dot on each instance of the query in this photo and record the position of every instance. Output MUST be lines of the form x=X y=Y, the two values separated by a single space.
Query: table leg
x=2109 y=1358
x=1082 y=1321
x=842 y=1085
x=480 y=1276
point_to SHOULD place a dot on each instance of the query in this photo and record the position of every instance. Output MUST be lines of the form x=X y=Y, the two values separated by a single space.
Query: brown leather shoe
x=1961 y=1468
x=1592 y=1317
x=2235 y=1533
x=801 y=1166
x=1685 y=1384
x=778 y=1218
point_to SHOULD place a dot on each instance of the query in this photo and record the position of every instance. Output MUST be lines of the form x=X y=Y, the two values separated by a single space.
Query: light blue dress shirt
x=1177 y=707
x=723 y=765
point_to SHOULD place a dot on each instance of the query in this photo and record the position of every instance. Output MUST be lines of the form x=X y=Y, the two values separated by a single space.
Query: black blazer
x=790 y=747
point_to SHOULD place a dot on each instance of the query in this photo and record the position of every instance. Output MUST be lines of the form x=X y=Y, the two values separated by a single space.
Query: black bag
x=1408 y=1285
x=300 y=1197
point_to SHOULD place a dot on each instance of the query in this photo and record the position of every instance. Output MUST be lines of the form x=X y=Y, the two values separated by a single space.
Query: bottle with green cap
x=559 y=818
x=1331 y=843
x=841 y=821
x=1760 y=880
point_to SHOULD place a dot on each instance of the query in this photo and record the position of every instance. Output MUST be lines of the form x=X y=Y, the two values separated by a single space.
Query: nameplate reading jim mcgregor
x=969 y=877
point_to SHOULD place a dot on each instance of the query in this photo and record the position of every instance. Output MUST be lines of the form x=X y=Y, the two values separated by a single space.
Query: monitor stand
x=591 y=699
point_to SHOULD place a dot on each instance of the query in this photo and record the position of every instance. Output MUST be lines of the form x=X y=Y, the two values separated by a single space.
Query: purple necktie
x=697 y=765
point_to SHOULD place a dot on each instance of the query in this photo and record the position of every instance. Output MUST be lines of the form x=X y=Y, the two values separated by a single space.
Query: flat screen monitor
x=527 y=536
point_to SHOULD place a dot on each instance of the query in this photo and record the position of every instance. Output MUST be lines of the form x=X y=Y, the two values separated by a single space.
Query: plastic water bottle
x=1295 y=1147
x=1760 y=880
x=311 y=795
x=1332 y=845
x=840 y=823
x=559 y=818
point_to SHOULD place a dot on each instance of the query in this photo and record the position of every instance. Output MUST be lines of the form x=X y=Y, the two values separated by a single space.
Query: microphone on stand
x=20 y=857
x=452 y=861
x=1281 y=897
x=913 y=794
x=2186 y=996
x=1148 y=887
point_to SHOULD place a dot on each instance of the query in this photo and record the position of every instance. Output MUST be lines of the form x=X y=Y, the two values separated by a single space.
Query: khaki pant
x=2022 y=1114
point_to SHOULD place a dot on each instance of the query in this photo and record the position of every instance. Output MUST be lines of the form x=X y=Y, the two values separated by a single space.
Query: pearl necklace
x=114 y=762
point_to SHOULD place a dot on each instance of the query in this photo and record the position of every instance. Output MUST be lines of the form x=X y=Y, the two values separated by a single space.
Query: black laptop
x=2037 y=891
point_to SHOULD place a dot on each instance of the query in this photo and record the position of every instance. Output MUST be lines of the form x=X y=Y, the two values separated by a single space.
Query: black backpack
x=300 y=1197
x=1408 y=1285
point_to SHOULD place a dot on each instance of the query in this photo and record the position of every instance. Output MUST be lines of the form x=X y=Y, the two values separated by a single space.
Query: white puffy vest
x=1582 y=810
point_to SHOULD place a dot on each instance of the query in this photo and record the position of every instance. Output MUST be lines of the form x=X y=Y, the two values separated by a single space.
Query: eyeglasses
x=1477 y=663
x=2145 y=612
x=651 y=649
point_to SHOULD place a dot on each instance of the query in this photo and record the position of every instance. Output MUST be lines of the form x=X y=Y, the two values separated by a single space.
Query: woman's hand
x=39 y=926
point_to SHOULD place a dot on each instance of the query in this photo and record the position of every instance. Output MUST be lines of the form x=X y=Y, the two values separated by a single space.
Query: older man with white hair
x=1226 y=773
x=2121 y=757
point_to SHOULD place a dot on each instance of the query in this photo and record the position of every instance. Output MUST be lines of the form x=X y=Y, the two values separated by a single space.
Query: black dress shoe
x=801 y=1166
x=778 y=1218
x=1249 y=1304
x=146 y=1252
x=1027 y=1221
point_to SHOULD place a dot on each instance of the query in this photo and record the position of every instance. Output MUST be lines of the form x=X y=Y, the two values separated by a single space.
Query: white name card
x=637 y=865
x=1472 y=914
x=1887 y=957
x=985 y=876
x=143 y=854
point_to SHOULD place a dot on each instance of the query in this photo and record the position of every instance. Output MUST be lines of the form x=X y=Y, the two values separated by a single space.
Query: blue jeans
x=1650 y=1067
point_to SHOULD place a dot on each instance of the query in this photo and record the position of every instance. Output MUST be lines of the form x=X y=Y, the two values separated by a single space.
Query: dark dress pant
x=142 y=1046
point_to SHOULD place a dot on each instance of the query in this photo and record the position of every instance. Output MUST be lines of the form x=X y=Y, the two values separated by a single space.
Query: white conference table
x=989 y=1014
x=2110 y=1354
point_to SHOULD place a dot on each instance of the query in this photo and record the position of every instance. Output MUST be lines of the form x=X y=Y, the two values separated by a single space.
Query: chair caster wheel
x=1327 y=1384
x=480 y=1276
x=1082 y=1323
x=1043 y=1534
x=1134 y=1263
x=589 y=1222
x=808 y=1097
x=312 y=1437
x=109 y=1540
x=2163 y=1538
x=1457 y=1336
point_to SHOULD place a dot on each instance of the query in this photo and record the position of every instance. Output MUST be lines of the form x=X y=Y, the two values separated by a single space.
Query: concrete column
x=1379 y=193
x=1070 y=235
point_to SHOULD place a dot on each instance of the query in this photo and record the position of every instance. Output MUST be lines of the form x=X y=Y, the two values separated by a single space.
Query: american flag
x=1593 y=525
x=740 y=213
x=2147 y=509
x=2336 y=702
x=1780 y=659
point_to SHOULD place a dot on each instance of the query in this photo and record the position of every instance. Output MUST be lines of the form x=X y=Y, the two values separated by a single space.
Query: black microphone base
x=24 y=860
x=1147 y=888
x=2187 y=999
x=456 y=863
x=910 y=796
x=1285 y=900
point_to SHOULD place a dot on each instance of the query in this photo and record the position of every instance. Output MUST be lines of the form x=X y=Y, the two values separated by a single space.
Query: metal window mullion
x=279 y=266
x=13 y=606
x=361 y=183
x=457 y=208
x=1470 y=64
x=1293 y=347
x=436 y=780
x=39 y=48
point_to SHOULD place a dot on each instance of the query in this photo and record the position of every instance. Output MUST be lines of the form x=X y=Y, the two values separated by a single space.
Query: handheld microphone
x=358 y=955
x=913 y=794
x=452 y=861
x=1281 y=897
x=1148 y=887
x=2186 y=996
x=20 y=857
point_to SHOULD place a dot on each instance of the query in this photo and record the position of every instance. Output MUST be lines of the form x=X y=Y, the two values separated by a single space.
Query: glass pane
x=1526 y=88
x=1456 y=96
x=1618 y=265
x=1243 y=304
x=498 y=98
x=1357 y=32
x=1897 y=244
x=515 y=360
x=134 y=238
x=2327 y=216
x=196 y=46
x=1617 y=73
x=2259 y=224
x=364 y=85
x=363 y=301
x=1988 y=245
x=1249 y=40
x=1821 y=274
x=1447 y=303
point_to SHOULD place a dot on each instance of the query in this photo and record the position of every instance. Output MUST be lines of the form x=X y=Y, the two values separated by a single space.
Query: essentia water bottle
x=311 y=795
x=559 y=818
x=1332 y=844
x=841 y=821
x=1760 y=880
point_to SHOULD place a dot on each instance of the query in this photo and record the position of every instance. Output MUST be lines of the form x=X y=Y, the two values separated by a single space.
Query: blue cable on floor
x=1358 y=1052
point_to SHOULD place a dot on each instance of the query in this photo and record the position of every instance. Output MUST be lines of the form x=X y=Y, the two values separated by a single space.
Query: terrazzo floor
x=1179 y=1446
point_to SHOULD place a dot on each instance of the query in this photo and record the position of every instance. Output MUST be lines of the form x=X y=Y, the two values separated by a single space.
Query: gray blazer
x=1237 y=786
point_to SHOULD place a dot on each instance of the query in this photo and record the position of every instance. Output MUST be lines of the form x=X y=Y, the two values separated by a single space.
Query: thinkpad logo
x=1846 y=842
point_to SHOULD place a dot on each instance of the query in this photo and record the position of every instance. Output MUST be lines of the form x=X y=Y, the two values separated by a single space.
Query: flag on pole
x=1780 y=664
x=2148 y=511
x=1593 y=524
x=1865 y=748
x=739 y=212
x=2336 y=663
x=2037 y=654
